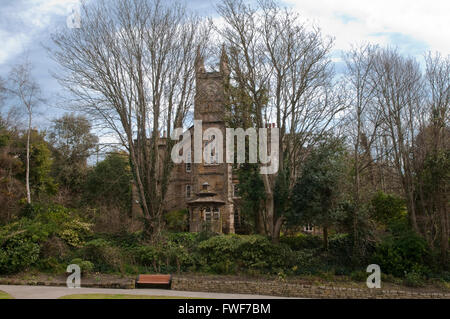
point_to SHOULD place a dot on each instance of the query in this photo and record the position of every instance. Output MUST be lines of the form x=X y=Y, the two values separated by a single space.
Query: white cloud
x=424 y=23
x=11 y=44
x=24 y=20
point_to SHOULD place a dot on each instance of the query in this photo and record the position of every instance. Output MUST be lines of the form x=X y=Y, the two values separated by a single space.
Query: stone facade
x=206 y=190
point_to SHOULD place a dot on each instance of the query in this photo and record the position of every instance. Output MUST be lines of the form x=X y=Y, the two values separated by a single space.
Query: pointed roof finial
x=199 y=62
x=224 y=68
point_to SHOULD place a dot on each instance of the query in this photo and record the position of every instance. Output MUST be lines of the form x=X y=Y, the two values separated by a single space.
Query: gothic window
x=188 y=191
x=216 y=213
x=188 y=163
x=214 y=155
x=237 y=219
x=208 y=214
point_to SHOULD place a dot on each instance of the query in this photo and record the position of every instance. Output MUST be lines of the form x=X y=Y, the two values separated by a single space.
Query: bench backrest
x=154 y=279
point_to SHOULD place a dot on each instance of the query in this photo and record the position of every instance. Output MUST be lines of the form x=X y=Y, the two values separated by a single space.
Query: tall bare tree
x=284 y=67
x=131 y=67
x=363 y=117
x=27 y=94
x=398 y=83
x=437 y=145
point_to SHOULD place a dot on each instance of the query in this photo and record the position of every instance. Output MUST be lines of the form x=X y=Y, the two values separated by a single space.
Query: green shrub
x=106 y=258
x=253 y=253
x=390 y=278
x=306 y=262
x=359 y=275
x=302 y=241
x=340 y=248
x=402 y=253
x=46 y=223
x=50 y=264
x=326 y=275
x=85 y=265
x=178 y=254
x=54 y=247
x=151 y=256
x=189 y=240
x=17 y=254
x=387 y=208
x=177 y=220
x=414 y=279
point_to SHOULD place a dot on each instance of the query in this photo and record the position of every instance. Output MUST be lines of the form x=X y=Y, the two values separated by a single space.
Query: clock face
x=211 y=90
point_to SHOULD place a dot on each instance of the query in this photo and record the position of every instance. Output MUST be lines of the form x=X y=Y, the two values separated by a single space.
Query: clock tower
x=209 y=95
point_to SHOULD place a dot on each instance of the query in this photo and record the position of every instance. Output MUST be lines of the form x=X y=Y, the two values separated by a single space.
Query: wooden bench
x=154 y=281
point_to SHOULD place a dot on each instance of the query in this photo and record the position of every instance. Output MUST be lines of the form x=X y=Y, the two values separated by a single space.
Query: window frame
x=188 y=186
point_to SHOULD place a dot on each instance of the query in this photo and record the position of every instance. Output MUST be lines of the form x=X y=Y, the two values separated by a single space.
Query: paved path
x=45 y=292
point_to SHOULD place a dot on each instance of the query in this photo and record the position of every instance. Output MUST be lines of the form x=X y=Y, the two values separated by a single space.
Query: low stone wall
x=278 y=288
x=122 y=284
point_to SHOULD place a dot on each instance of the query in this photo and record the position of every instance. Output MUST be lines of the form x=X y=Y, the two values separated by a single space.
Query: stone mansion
x=207 y=191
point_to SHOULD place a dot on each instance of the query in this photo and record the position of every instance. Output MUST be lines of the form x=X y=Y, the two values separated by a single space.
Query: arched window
x=216 y=213
x=208 y=214
x=188 y=162
x=188 y=191
x=237 y=219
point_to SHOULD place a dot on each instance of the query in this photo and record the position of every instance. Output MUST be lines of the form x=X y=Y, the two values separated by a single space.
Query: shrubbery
x=85 y=265
x=51 y=238
x=44 y=234
x=103 y=255
x=17 y=254
x=302 y=241
x=402 y=253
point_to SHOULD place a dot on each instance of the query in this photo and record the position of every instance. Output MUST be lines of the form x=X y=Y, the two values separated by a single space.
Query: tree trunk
x=269 y=203
x=277 y=230
x=27 y=173
x=444 y=236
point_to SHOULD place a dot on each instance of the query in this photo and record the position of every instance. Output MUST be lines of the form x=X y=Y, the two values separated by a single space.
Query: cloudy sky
x=414 y=26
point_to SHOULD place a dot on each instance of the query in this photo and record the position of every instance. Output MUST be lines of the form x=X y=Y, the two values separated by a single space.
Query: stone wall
x=278 y=288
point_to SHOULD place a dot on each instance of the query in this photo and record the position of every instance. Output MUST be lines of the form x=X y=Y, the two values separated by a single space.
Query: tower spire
x=199 y=62
x=224 y=68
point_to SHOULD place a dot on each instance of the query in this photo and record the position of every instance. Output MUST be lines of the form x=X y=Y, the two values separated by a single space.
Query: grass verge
x=119 y=296
x=4 y=295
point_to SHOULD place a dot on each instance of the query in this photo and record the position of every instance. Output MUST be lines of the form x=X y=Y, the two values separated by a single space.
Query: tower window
x=213 y=156
x=188 y=162
x=188 y=191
